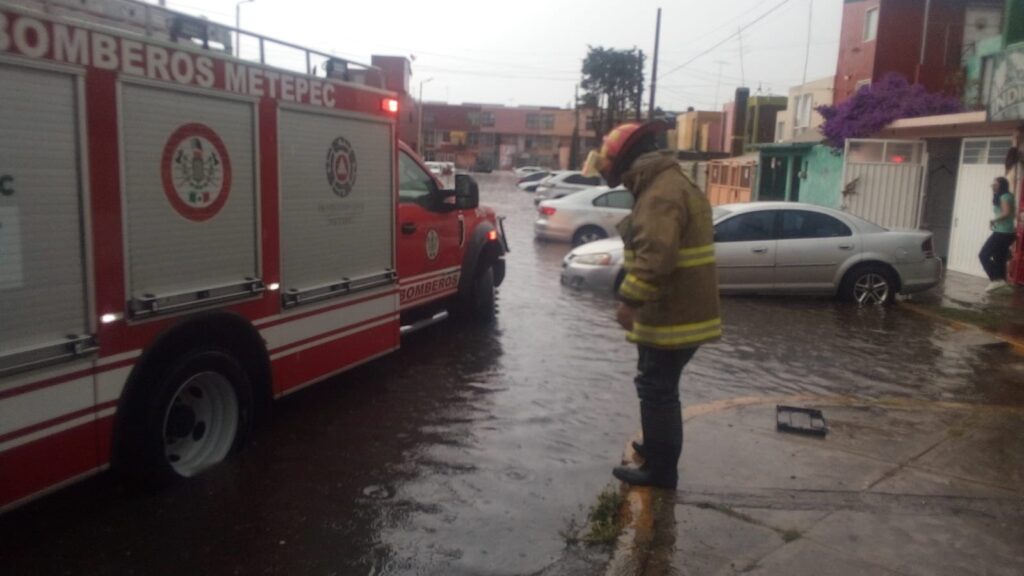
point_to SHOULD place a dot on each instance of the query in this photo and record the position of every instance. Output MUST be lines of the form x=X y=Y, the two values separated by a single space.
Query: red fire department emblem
x=196 y=172
x=341 y=167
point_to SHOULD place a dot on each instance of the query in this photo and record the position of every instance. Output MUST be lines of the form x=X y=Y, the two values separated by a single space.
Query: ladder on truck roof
x=168 y=25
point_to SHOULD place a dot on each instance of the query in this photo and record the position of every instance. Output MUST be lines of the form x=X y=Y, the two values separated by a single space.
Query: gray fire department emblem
x=433 y=244
x=341 y=167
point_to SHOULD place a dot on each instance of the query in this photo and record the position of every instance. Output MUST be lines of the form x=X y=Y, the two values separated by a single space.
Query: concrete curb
x=1016 y=343
x=641 y=551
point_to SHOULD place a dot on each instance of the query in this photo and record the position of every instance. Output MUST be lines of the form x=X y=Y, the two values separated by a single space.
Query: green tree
x=613 y=83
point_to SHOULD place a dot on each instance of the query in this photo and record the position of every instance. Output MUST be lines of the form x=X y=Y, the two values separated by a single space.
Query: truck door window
x=414 y=185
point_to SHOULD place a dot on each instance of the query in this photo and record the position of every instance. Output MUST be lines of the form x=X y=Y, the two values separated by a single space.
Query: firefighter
x=668 y=301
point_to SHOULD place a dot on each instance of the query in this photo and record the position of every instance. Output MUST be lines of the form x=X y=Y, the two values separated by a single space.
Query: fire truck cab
x=186 y=235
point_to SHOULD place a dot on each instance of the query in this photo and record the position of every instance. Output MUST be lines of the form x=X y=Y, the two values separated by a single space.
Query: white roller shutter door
x=190 y=198
x=337 y=204
x=43 y=297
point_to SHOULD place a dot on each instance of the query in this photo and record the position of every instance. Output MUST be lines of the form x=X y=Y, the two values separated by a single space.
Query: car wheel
x=482 y=301
x=195 y=415
x=870 y=285
x=588 y=234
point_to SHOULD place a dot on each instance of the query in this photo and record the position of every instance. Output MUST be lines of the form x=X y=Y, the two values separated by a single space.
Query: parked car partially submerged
x=791 y=248
x=564 y=183
x=583 y=216
x=529 y=182
x=526 y=170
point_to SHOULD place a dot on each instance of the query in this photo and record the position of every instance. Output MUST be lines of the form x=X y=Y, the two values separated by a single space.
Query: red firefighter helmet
x=610 y=162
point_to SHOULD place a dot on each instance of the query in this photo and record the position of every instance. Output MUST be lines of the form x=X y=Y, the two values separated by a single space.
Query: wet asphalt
x=471 y=449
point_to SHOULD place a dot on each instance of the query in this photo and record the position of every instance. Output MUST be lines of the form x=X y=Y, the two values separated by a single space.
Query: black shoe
x=647 y=476
x=639 y=449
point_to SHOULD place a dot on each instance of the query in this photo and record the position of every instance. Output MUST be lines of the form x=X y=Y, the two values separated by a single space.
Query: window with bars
x=991 y=151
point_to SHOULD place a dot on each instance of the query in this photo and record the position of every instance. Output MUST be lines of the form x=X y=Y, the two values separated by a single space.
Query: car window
x=615 y=199
x=414 y=184
x=575 y=179
x=592 y=181
x=804 y=224
x=748 y=227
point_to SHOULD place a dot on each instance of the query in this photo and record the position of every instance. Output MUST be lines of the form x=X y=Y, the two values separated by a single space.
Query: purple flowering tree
x=876 y=106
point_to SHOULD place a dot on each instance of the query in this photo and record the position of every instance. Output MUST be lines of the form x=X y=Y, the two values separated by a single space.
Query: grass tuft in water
x=603 y=522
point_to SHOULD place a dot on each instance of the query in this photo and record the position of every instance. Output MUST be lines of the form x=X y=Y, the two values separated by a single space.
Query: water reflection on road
x=467 y=451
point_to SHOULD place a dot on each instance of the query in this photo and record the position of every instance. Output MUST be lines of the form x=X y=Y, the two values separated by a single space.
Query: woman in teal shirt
x=997 y=248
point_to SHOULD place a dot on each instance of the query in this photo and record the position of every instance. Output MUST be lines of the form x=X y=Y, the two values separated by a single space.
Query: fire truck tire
x=198 y=413
x=483 y=297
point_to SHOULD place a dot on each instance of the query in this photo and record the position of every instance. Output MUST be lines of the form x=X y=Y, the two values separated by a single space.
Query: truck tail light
x=547 y=210
x=389 y=105
x=928 y=248
x=492 y=236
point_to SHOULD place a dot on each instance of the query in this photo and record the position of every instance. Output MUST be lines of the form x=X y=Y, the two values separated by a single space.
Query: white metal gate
x=981 y=160
x=889 y=175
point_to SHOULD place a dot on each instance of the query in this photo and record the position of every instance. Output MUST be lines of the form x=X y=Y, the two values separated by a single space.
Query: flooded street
x=471 y=449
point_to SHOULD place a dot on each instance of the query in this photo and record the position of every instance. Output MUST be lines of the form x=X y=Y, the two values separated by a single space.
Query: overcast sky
x=529 y=52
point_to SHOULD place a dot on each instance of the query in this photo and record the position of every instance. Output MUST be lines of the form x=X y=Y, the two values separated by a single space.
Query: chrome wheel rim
x=871 y=289
x=200 y=423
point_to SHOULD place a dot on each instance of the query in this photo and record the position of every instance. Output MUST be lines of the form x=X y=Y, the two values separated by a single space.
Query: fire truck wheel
x=197 y=415
x=482 y=299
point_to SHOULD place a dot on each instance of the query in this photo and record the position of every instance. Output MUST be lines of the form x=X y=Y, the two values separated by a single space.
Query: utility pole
x=238 y=24
x=807 y=49
x=654 y=65
x=638 y=102
x=419 y=118
x=718 y=83
x=574 y=152
x=743 y=74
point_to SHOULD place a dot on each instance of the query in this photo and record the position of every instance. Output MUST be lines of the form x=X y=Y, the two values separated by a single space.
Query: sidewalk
x=961 y=299
x=896 y=488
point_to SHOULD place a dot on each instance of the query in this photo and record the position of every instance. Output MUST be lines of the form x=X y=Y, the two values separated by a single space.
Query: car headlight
x=594 y=259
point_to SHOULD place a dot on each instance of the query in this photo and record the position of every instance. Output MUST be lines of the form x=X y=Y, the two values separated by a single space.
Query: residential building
x=699 y=131
x=504 y=137
x=396 y=72
x=921 y=40
x=934 y=172
x=759 y=124
x=801 y=119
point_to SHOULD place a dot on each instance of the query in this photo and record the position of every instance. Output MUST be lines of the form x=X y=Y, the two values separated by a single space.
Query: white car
x=524 y=170
x=792 y=248
x=584 y=216
x=445 y=172
x=565 y=183
x=529 y=182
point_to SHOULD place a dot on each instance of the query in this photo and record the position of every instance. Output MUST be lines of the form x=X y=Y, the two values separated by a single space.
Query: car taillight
x=928 y=248
x=547 y=210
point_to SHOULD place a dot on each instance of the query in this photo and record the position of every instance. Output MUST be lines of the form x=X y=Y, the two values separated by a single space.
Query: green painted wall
x=972 y=69
x=1014 y=28
x=824 y=174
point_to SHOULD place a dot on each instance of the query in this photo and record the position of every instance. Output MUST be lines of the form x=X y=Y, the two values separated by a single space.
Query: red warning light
x=389 y=105
x=897 y=159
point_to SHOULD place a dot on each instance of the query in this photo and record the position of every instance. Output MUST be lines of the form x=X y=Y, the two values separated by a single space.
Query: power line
x=730 y=37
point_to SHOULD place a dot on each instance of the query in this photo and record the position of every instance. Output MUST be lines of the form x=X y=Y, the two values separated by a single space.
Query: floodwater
x=469 y=451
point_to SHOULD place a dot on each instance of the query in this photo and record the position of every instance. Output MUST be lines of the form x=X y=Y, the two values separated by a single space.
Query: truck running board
x=421 y=324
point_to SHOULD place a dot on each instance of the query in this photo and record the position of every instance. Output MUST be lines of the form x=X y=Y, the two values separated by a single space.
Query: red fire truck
x=186 y=235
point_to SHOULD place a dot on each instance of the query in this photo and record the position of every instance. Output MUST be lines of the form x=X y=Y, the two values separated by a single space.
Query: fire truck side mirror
x=467 y=192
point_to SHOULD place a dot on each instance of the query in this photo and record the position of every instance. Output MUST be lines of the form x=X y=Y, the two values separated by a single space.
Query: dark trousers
x=658 y=373
x=657 y=385
x=994 y=254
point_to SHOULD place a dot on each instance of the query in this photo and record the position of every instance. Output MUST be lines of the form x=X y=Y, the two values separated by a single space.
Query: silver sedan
x=792 y=248
x=583 y=216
